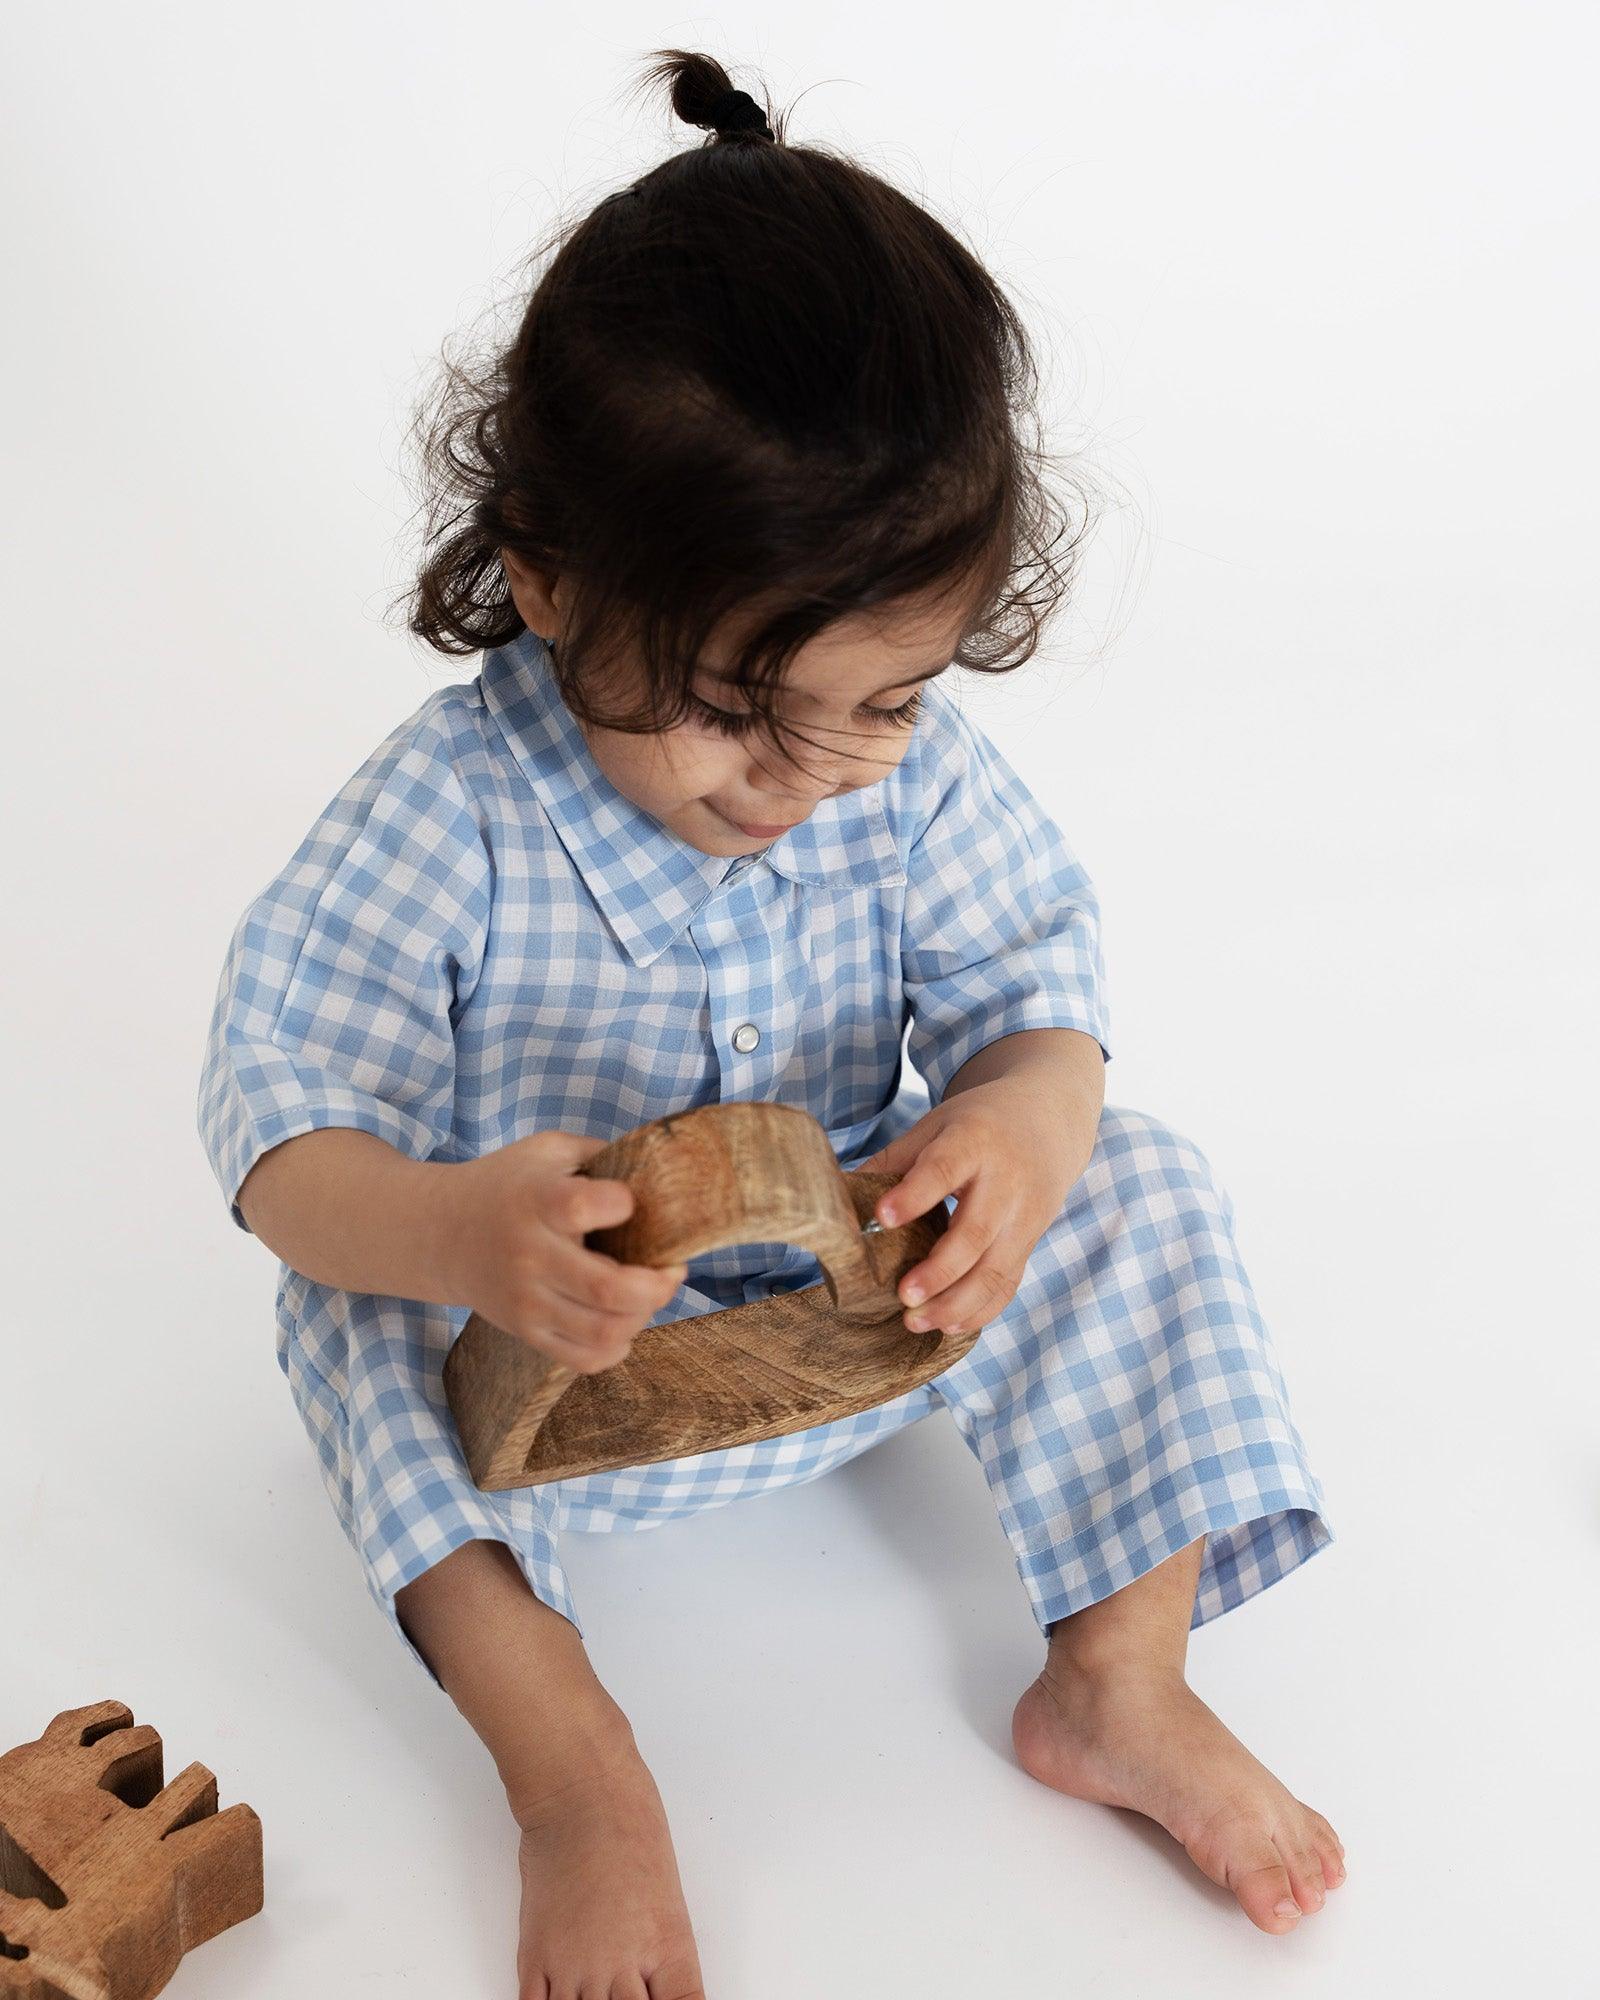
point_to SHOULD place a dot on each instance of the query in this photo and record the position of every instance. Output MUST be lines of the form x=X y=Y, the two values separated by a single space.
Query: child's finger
x=896 y=1156
x=563 y=1150
x=590 y=1278
x=940 y=1169
x=580 y=1204
x=958 y=1252
x=584 y=1357
x=972 y=1301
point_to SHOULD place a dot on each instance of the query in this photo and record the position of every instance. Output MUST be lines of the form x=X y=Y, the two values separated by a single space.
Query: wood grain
x=720 y=1174
x=107 y=1876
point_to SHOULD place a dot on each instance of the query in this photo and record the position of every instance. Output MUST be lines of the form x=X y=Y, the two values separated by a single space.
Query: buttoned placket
x=747 y=1049
x=731 y=1030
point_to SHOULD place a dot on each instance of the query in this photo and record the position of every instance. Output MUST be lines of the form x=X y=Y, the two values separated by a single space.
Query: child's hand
x=1011 y=1158
x=513 y=1228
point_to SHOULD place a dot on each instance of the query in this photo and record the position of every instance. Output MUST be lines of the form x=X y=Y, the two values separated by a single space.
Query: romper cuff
x=1017 y=1012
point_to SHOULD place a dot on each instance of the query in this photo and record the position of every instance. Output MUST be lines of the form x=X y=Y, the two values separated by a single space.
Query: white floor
x=822 y=1678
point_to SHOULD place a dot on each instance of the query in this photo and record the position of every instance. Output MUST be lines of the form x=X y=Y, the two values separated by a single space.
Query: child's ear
x=534 y=592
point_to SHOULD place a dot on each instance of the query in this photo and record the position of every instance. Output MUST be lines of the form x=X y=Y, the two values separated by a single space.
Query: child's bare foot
x=1140 y=1737
x=603 y=1915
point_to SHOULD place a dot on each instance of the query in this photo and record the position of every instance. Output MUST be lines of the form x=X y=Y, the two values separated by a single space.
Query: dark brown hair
x=758 y=382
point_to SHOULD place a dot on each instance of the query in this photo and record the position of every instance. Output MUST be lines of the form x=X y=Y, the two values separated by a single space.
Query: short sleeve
x=343 y=977
x=1002 y=925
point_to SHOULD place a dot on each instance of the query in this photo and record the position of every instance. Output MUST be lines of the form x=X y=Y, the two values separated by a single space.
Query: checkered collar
x=648 y=882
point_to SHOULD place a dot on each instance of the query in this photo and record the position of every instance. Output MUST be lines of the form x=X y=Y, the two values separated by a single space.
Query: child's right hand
x=515 y=1221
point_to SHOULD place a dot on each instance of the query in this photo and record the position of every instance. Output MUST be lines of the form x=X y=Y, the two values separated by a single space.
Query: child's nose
x=795 y=805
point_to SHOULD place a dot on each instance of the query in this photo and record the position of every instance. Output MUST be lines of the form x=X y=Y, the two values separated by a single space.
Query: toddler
x=710 y=824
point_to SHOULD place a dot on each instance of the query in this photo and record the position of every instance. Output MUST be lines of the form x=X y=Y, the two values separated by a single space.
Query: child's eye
x=906 y=712
x=738 y=725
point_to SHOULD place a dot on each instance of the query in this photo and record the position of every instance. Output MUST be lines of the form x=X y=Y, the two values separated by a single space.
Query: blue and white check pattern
x=481 y=938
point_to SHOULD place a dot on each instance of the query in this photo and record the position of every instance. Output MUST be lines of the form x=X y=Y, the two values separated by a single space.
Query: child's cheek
x=680 y=762
x=704 y=764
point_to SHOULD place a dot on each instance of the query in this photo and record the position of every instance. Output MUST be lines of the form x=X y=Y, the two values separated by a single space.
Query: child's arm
x=1061 y=1067
x=347 y=1209
x=502 y=1233
x=1056 y=1072
x=1061 y=1063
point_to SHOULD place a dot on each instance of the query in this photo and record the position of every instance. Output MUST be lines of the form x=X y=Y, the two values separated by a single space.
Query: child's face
x=733 y=793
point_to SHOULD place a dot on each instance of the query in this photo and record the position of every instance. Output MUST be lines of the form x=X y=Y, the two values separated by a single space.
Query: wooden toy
x=721 y=1174
x=107 y=1877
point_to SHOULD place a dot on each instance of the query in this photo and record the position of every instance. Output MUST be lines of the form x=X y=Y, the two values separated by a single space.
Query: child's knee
x=1146 y=1155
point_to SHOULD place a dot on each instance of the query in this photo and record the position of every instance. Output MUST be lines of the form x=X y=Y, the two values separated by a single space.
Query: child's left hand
x=1011 y=1158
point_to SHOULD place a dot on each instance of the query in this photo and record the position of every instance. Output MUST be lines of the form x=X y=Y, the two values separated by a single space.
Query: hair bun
x=734 y=111
x=703 y=95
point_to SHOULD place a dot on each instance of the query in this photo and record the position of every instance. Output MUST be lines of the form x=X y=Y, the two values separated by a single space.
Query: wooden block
x=107 y=1877
x=720 y=1174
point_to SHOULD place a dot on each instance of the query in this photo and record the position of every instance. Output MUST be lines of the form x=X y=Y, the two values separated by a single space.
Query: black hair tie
x=735 y=111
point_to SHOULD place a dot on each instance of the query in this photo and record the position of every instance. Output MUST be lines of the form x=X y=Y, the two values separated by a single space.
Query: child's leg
x=602 y=1903
x=474 y=1585
x=1112 y=1719
x=1133 y=1426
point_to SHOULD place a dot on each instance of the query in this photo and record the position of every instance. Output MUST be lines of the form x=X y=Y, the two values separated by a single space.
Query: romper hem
x=1288 y=1533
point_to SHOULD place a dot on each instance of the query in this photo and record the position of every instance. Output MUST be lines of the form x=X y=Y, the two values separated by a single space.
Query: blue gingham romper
x=481 y=938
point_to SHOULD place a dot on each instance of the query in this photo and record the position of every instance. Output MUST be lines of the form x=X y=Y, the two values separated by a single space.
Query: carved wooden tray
x=720 y=1174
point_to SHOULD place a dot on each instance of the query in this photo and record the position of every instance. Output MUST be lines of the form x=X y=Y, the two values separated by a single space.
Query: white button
x=745 y=1037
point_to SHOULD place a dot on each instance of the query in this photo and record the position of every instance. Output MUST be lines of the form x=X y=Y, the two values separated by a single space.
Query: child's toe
x=1260 y=1880
x=1330 y=1849
x=1305 y=1876
x=675 y=1988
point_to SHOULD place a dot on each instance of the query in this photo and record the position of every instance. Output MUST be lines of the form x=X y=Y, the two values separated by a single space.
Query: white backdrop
x=1315 y=287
